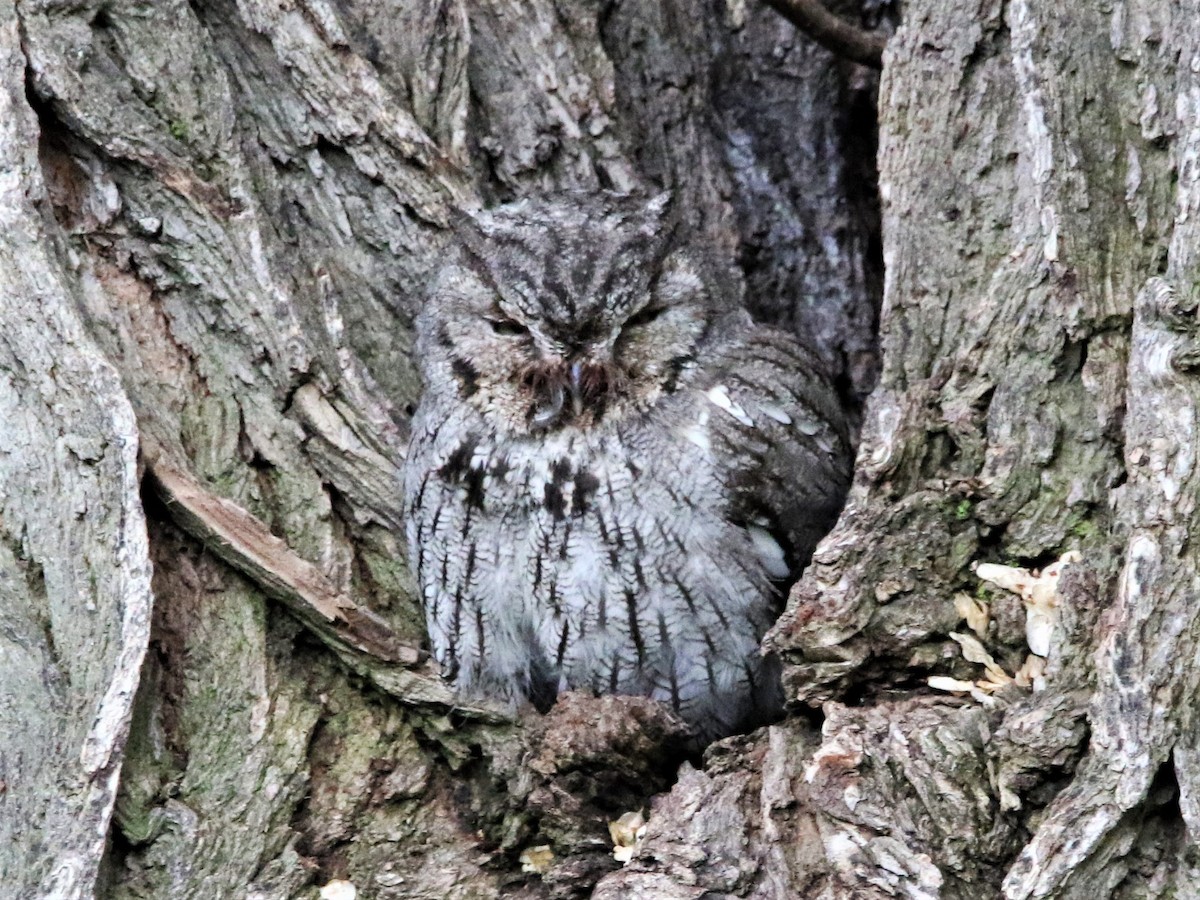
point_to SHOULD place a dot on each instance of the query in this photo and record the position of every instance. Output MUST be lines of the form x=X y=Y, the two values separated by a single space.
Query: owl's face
x=564 y=313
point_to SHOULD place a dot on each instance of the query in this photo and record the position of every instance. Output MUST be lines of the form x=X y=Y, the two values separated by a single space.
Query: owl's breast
x=571 y=475
x=607 y=558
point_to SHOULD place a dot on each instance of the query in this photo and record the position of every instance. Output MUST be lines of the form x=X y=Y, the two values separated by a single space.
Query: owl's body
x=612 y=470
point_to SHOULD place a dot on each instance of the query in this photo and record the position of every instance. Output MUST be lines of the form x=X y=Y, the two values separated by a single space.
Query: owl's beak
x=575 y=385
x=587 y=384
x=551 y=407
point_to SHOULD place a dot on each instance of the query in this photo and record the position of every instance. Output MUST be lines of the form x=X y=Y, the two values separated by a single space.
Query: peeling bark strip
x=248 y=545
x=359 y=636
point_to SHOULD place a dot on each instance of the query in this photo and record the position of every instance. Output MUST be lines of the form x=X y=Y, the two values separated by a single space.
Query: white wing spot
x=808 y=427
x=719 y=397
x=775 y=412
x=698 y=433
x=770 y=554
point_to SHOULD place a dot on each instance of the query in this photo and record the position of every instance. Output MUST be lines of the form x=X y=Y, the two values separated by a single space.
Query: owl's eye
x=645 y=316
x=507 y=326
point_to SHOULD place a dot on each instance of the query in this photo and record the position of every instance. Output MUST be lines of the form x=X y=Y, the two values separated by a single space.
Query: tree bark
x=219 y=219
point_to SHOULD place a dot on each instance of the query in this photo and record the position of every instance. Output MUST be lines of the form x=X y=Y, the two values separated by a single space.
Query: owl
x=613 y=472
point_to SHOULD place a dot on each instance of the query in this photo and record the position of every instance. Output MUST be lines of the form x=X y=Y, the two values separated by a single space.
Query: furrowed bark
x=75 y=597
x=242 y=204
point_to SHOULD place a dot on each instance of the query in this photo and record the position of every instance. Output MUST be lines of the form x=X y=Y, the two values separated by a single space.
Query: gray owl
x=613 y=471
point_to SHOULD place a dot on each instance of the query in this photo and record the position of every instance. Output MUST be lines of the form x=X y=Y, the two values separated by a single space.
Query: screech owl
x=613 y=471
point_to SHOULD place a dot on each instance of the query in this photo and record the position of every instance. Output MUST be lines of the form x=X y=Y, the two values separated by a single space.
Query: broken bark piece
x=245 y=542
x=359 y=637
x=1038 y=591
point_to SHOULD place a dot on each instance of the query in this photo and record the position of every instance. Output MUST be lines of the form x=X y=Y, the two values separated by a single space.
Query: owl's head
x=565 y=311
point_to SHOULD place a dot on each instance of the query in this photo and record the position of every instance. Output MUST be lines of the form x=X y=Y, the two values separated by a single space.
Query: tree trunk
x=218 y=221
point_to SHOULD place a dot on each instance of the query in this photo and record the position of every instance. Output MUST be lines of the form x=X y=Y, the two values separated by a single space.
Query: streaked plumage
x=613 y=471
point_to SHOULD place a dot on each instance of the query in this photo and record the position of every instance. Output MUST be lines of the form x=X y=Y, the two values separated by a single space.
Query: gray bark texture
x=218 y=221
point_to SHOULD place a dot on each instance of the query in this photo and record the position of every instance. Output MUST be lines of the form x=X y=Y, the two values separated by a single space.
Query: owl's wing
x=774 y=413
